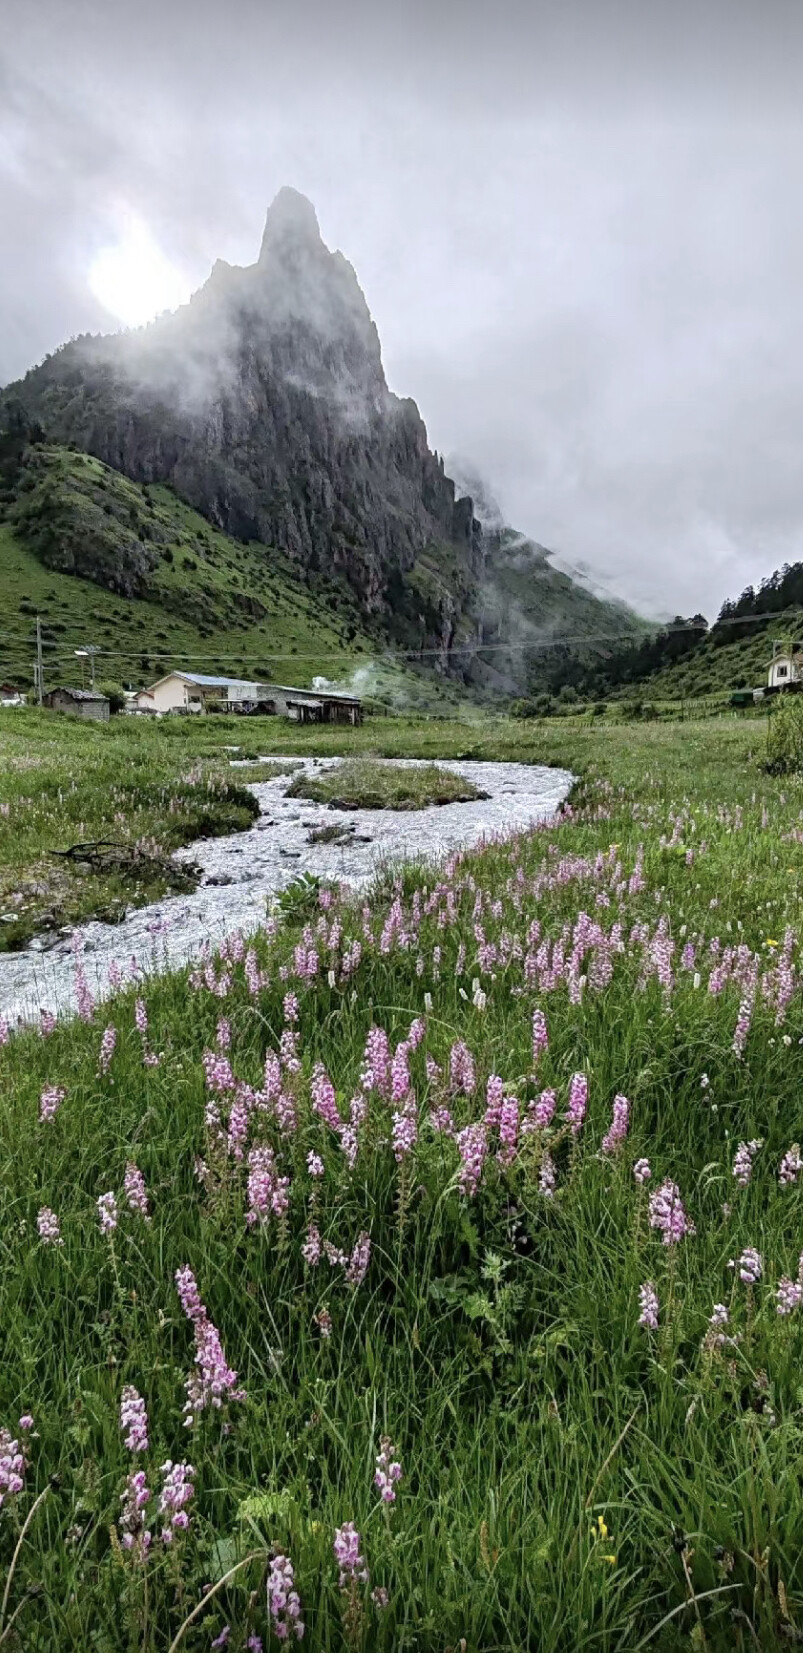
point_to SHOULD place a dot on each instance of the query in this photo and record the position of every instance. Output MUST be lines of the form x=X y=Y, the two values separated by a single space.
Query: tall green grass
x=570 y=1479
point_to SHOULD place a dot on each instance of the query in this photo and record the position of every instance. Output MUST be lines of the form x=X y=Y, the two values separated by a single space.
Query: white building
x=195 y=692
x=786 y=667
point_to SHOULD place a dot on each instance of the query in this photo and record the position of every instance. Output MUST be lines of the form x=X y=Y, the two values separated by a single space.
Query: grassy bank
x=450 y=1263
x=64 y=783
x=365 y=783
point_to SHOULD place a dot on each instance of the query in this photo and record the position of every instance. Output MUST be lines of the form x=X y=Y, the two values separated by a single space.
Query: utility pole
x=88 y=653
x=39 y=683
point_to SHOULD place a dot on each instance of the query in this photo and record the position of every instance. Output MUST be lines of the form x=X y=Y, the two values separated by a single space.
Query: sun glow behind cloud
x=132 y=278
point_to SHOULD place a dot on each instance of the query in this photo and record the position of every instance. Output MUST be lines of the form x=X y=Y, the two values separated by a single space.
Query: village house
x=86 y=703
x=786 y=667
x=195 y=692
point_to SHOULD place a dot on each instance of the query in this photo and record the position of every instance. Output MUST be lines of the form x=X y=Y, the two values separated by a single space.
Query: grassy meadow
x=492 y=1176
x=368 y=783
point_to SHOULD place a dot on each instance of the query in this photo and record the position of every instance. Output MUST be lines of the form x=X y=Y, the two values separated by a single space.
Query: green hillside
x=718 y=666
x=74 y=532
x=685 y=661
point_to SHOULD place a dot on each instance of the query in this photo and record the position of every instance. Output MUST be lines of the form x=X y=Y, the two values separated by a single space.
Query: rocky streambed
x=242 y=872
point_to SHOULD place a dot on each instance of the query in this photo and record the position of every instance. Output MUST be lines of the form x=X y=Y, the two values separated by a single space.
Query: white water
x=263 y=861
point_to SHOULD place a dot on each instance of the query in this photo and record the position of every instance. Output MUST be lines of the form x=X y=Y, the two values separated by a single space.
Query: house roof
x=217 y=682
x=316 y=695
x=76 y=694
x=201 y=681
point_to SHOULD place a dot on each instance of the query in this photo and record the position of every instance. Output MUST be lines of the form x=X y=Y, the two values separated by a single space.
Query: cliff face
x=264 y=403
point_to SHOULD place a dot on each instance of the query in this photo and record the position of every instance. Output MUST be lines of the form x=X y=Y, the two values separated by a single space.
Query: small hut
x=86 y=703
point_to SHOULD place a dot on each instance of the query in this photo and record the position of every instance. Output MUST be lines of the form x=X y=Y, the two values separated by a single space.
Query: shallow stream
x=242 y=872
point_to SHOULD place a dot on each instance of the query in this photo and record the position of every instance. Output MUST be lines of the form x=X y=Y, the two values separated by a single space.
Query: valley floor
x=492 y=1175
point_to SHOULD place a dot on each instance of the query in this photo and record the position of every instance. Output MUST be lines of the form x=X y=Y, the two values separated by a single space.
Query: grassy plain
x=571 y=1478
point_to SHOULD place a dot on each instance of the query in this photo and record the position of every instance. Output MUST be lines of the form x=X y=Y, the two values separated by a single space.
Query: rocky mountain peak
x=291 y=225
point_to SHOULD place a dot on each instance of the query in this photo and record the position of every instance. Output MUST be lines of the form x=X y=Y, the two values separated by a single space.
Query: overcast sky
x=578 y=227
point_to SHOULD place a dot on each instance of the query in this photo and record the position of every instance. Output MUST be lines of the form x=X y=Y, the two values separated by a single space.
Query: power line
x=509 y=647
x=556 y=640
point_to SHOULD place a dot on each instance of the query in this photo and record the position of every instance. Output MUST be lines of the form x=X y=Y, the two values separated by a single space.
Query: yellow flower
x=611 y=1559
x=770 y=943
x=601 y=1527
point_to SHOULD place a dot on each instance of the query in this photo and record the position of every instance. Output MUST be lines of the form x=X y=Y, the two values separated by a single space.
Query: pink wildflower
x=267 y=1191
x=376 y=1063
x=494 y=1097
x=49 y=1228
x=283 y=1600
x=311 y=1249
x=417 y=1031
x=615 y=1135
x=324 y=1102
x=542 y=1110
x=213 y=1380
x=540 y=1036
x=358 y=1262
x=107 y=1213
x=648 y=1303
x=388 y=1471
x=134 y=1419
x=789 y=1295
x=578 y=1102
x=790 y=1167
x=135 y=1191
x=547 y=1177
x=107 y=1047
x=441 y=1120
x=12 y=1467
x=177 y=1493
x=508 y=1130
x=667 y=1213
x=136 y=1537
x=405 y=1129
x=349 y=1557
x=642 y=1171
x=743 y=1161
x=462 y=1072
x=750 y=1266
x=189 y=1294
x=50 y=1101
x=472 y=1146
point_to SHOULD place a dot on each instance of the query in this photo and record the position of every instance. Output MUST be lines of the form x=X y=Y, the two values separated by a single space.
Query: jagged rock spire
x=291 y=222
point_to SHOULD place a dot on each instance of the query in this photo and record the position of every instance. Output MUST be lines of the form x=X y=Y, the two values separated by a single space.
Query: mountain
x=263 y=404
x=150 y=583
x=536 y=623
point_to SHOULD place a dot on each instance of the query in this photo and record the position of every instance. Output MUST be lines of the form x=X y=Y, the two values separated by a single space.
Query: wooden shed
x=86 y=703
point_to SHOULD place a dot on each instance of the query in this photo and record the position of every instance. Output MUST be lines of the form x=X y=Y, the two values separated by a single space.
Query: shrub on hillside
x=785 y=737
x=115 y=695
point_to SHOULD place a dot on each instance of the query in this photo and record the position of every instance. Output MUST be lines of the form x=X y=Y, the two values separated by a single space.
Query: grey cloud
x=576 y=228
